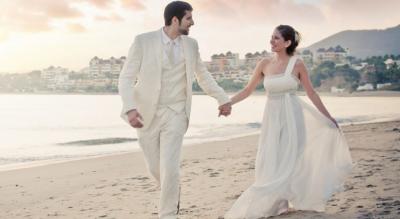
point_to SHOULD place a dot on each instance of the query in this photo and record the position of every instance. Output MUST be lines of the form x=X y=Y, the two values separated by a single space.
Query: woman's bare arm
x=308 y=87
x=255 y=79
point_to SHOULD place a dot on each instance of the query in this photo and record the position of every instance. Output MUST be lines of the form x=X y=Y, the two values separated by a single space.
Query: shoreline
x=213 y=175
x=47 y=162
x=377 y=93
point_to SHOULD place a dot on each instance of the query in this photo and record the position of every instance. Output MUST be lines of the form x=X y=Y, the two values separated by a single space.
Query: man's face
x=186 y=23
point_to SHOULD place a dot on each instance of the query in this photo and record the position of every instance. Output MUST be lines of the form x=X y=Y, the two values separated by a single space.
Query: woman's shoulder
x=264 y=62
x=299 y=66
x=299 y=62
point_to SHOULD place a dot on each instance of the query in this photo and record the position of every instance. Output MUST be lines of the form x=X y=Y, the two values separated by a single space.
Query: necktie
x=170 y=51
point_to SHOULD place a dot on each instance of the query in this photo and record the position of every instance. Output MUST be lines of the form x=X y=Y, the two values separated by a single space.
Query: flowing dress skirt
x=302 y=159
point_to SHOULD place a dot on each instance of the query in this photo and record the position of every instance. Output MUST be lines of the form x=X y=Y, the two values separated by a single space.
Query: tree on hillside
x=321 y=72
x=348 y=73
x=351 y=76
x=393 y=73
x=351 y=59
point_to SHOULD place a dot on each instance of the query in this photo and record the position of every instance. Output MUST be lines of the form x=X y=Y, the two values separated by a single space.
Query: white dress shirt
x=177 y=47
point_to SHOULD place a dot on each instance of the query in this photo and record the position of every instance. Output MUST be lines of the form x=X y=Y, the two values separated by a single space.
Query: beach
x=213 y=175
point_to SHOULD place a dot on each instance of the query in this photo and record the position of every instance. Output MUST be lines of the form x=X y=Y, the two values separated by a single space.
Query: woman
x=302 y=156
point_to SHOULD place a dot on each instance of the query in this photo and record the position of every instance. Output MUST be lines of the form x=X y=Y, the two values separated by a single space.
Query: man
x=156 y=89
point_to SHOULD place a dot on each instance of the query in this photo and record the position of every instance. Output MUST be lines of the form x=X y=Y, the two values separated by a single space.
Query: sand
x=213 y=175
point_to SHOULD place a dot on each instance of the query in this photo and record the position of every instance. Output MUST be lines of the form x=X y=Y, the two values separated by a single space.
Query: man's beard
x=183 y=31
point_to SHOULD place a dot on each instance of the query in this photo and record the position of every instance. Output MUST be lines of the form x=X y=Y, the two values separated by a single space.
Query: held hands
x=135 y=119
x=225 y=109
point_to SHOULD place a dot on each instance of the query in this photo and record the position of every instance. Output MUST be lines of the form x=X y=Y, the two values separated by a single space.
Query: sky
x=35 y=34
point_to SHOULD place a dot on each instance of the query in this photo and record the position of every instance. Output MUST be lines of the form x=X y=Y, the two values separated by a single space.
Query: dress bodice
x=282 y=83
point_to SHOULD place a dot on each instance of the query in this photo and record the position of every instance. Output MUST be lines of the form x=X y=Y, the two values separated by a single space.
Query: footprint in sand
x=139 y=178
x=96 y=195
x=214 y=174
x=348 y=187
x=187 y=180
x=152 y=190
x=232 y=197
x=388 y=189
x=53 y=214
x=193 y=173
x=208 y=170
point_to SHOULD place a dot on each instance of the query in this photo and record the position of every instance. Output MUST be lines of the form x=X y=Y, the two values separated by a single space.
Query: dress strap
x=290 y=66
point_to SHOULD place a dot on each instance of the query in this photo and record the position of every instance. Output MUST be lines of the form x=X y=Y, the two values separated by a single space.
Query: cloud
x=48 y=8
x=215 y=8
x=34 y=16
x=302 y=14
x=3 y=36
x=38 y=16
x=76 y=28
x=107 y=4
x=100 y=3
x=362 y=13
x=132 y=4
x=25 y=22
x=313 y=19
x=259 y=11
x=113 y=18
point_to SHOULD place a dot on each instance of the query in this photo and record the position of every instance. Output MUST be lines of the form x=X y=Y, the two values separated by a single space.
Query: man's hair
x=176 y=9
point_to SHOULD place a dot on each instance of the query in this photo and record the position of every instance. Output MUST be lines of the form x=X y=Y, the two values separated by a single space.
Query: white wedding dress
x=302 y=157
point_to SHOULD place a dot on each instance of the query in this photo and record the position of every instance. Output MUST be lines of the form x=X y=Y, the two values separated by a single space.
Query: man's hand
x=225 y=109
x=135 y=119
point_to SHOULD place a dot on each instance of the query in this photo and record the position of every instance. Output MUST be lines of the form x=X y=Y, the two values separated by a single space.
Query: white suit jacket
x=140 y=79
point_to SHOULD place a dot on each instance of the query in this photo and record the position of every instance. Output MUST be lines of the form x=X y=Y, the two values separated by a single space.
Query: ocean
x=39 y=129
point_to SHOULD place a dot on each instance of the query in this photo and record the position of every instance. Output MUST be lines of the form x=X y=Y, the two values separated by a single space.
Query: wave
x=95 y=142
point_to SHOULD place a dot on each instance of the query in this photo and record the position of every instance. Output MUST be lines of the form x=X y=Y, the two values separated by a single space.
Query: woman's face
x=277 y=42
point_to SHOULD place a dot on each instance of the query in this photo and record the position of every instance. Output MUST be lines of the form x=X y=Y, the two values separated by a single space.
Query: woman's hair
x=289 y=33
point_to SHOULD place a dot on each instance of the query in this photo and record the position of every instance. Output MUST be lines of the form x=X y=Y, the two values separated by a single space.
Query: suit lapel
x=188 y=59
x=158 y=50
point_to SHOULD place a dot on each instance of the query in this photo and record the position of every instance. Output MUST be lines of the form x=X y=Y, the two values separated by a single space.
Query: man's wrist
x=131 y=110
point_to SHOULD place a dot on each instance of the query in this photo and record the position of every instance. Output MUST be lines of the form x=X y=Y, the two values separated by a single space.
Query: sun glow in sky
x=35 y=34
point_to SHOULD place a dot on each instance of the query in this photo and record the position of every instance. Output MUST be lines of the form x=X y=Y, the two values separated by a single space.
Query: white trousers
x=161 y=144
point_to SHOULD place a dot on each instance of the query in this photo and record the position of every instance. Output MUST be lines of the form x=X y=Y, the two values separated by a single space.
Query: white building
x=251 y=59
x=55 y=76
x=106 y=67
x=365 y=87
x=390 y=62
x=224 y=62
x=381 y=86
x=337 y=55
x=337 y=90
x=359 y=66
x=85 y=70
